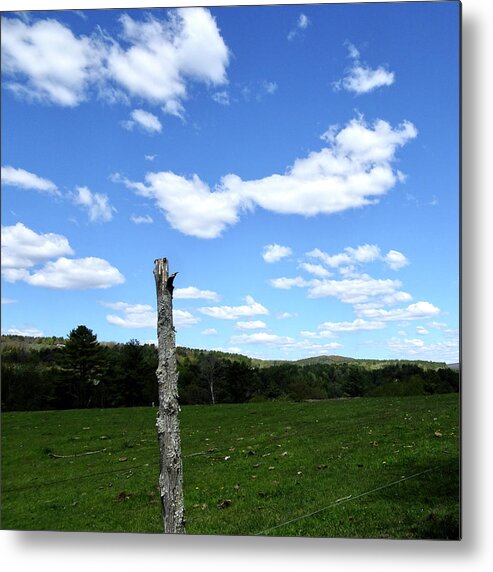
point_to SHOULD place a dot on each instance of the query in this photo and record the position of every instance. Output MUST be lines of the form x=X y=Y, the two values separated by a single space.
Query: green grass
x=272 y=462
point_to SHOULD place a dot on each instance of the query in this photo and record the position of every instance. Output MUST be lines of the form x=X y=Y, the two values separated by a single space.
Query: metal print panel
x=291 y=176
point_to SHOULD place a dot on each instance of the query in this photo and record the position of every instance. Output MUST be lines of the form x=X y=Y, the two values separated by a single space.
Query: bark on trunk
x=167 y=423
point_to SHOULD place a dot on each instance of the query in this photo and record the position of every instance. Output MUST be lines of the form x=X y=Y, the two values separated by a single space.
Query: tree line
x=80 y=372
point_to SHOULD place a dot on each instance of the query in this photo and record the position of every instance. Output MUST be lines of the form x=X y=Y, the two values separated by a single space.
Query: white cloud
x=150 y=157
x=352 y=171
x=270 y=87
x=315 y=269
x=6 y=301
x=284 y=343
x=396 y=260
x=142 y=219
x=75 y=274
x=147 y=121
x=28 y=331
x=25 y=180
x=144 y=316
x=441 y=326
x=288 y=283
x=184 y=319
x=209 y=332
x=251 y=325
x=302 y=24
x=415 y=311
x=162 y=55
x=405 y=345
x=421 y=331
x=46 y=62
x=355 y=326
x=286 y=315
x=153 y=60
x=134 y=315
x=354 y=291
x=97 y=205
x=362 y=254
x=23 y=248
x=358 y=291
x=251 y=308
x=396 y=298
x=303 y=21
x=275 y=252
x=317 y=335
x=415 y=348
x=188 y=204
x=257 y=90
x=353 y=51
x=221 y=97
x=360 y=78
x=194 y=293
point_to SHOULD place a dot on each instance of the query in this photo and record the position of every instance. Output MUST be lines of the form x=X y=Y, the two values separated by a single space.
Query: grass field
x=369 y=467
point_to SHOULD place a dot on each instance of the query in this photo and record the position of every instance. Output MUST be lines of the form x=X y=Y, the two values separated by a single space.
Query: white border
x=55 y=552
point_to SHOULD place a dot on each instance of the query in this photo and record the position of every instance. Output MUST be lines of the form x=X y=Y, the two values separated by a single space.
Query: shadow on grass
x=431 y=501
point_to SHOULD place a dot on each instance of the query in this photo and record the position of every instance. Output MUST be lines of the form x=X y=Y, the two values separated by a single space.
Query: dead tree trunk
x=167 y=423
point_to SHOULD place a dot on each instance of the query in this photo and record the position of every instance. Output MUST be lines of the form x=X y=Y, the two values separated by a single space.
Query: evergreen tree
x=82 y=362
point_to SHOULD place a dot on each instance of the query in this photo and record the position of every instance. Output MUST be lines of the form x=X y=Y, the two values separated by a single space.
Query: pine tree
x=82 y=362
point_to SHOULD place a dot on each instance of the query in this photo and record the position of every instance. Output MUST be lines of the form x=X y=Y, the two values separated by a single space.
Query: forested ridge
x=80 y=372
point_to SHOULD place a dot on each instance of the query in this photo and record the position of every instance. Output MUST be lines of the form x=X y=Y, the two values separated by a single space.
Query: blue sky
x=298 y=165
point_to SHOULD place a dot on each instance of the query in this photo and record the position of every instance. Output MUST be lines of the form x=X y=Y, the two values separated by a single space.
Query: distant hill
x=194 y=354
x=369 y=363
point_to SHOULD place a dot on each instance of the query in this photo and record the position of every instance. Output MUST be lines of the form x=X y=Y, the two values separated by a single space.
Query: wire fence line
x=345 y=500
x=214 y=454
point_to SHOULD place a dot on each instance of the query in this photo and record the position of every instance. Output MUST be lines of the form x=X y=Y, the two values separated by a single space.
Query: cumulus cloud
x=283 y=343
x=184 y=319
x=356 y=325
x=22 y=249
x=251 y=325
x=144 y=316
x=315 y=269
x=194 y=293
x=209 y=332
x=284 y=283
x=134 y=315
x=360 y=78
x=188 y=204
x=163 y=54
x=416 y=348
x=97 y=205
x=25 y=180
x=153 y=60
x=275 y=252
x=44 y=61
x=396 y=260
x=354 y=291
x=28 y=331
x=353 y=170
x=251 y=308
x=75 y=274
x=145 y=120
x=362 y=254
x=415 y=311
x=286 y=315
